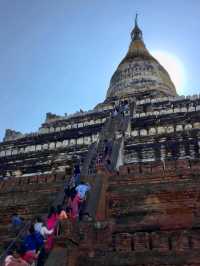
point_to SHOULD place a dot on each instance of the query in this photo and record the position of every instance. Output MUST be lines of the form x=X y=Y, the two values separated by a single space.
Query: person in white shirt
x=41 y=228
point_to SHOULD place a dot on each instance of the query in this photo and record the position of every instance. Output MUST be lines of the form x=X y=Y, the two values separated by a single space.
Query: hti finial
x=136 y=33
x=136 y=19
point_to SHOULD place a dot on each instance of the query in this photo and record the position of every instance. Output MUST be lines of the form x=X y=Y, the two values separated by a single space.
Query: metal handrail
x=26 y=226
x=4 y=254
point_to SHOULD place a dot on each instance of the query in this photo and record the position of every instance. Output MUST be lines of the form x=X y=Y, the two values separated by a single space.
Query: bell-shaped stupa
x=140 y=73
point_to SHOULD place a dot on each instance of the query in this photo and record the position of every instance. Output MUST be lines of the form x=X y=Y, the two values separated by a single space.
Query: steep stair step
x=57 y=257
x=93 y=198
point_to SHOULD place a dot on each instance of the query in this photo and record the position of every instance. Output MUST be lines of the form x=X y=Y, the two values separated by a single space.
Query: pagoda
x=143 y=208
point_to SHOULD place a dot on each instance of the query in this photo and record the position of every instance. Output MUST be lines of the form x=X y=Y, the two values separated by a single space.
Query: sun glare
x=174 y=67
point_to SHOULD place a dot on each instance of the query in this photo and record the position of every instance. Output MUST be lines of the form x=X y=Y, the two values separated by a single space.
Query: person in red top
x=52 y=218
x=74 y=204
x=14 y=259
x=52 y=221
x=30 y=256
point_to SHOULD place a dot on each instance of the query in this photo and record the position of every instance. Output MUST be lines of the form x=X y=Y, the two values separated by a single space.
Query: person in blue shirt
x=16 y=220
x=33 y=241
x=17 y=223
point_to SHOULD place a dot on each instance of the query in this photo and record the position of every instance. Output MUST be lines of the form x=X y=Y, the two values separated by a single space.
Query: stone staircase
x=86 y=169
x=113 y=132
x=112 y=125
x=96 y=203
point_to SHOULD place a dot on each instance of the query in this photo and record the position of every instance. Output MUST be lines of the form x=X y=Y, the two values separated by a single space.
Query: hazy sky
x=58 y=55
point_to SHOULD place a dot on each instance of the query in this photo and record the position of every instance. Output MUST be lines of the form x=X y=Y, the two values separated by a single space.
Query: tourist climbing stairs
x=86 y=168
x=113 y=132
x=113 y=127
x=71 y=235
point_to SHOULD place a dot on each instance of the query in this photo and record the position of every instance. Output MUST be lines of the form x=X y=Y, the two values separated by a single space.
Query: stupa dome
x=139 y=72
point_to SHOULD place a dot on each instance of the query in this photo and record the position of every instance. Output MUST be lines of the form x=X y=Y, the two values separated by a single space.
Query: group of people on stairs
x=75 y=193
x=104 y=157
x=35 y=245
x=122 y=108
